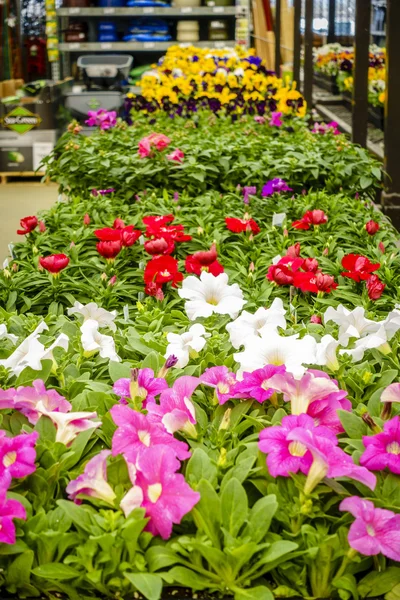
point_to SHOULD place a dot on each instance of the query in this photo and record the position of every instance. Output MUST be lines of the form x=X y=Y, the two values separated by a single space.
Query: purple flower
x=248 y=190
x=102 y=192
x=101 y=118
x=136 y=432
x=144 y=385
x=383 y=449
x=17 y=457
x=93 y=481
x=222 y=380
x=27 y=398
x=276 y=185
x=9 y=510
x=276 y=120
x=375 y=530
x=256 y=384
x=176 y=196
x=286 y=456
x=323 y=128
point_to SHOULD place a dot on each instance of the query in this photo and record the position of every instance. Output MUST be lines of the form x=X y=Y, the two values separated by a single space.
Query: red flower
x=372 y=227
x=129 y=235
x=109 y=248
x=54 y=263
x=314 y=282
x=283 y=272
x=360 y=267
x=107 y=234
x=311 y=217
x=310 y=265
x=375 y=287
x=316 y=319
x=159 y=246
x=239 y=225
x=28 y=224
x=204 y=261
x=154 y=221
x=293 y=251
x=118 y=223
x=154 y=289
x=86 y=220
x=162 y=269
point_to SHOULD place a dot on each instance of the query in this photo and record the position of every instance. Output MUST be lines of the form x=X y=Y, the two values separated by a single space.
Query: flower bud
x=368 y=420
x=42 y=227
x=169 y=363
x=6 y=273
x=103 y=276
x=226 y=419
x=315 y=319
x=86 y=220
x=112 y=281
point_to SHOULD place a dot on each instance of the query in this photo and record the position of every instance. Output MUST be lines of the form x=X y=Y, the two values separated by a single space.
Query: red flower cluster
x=28 y=224
x=113 y=239
x=360 y=268
x=311 y=217
x=239 y=225
x=309 y=279
x=162 y=267
x=372 y=227
x=204 y=261
x=54 y=263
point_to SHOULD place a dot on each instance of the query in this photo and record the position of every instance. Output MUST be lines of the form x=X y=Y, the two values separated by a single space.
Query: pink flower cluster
x=159 y=142
x=323 y=128
x=101 y=118
x=151 y=452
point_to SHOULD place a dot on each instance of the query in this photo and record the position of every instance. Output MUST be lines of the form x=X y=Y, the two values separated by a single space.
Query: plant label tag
x=141 y=240
x=11 y=250
x=126 y=312
x=276 y=259
x=278 y=219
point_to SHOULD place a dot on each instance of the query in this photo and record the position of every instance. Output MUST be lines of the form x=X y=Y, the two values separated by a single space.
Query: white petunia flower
x=326 y=353
x=94 y=341
x=94 y=312
x=373 y=340
x=275 y=349
x=4 y=335
x=351 y=323
x=31 y=352
x=254 y=325
x=182 y=346
x=209 y=295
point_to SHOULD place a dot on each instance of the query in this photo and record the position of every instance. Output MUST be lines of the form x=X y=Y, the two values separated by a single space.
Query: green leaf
x=275 y=552
x=56 y=571
x=377 y=584
x=365 y=182
x=28 y=375
x=353 y=425
x=78 y=514
x=19 y=572
x=260 y=518
x=189 y=578
x=207 y=512
x=347 y=582
x=119 y=370
x=234 y=507
x=148 y=584
x=200 y=467
x=159 y=557
x=256 y=593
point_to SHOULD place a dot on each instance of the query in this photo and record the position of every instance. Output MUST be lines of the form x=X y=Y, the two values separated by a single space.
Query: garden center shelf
x=197 y=11
x=136 y=46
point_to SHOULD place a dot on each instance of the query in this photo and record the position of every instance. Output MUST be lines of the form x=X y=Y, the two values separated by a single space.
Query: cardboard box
x=24 y=153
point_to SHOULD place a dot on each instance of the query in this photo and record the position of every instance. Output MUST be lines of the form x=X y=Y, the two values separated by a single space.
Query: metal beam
x=361 y=64
x=297 y=42
x=278 y=37
x=308 y=53
x=331 y=22
x=391 y=196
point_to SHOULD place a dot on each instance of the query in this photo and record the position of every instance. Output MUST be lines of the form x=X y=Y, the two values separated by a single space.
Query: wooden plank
x=361 y=65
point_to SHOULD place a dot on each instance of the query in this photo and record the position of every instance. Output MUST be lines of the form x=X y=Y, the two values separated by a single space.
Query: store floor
x=19 y=200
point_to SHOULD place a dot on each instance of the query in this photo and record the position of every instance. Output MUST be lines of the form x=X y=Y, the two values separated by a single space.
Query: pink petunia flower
x=328 y=460
x=176 y=410
x=324 y=412
x=164 y=494
x=136 y=432
x=313 y=385
x=176 y=155
x=222 y=380
x=144 y=148
x=286 y=456
x=26 y=400
x=93 y=481
x=9 y=510
x=383 y=449
x=375 y=530
x=69 y=425
x=142 y=384
x=17 y=456
x=256 y=384
x=276 y=120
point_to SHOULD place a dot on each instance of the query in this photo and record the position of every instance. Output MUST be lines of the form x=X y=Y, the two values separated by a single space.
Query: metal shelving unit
x=135 y=46
x=170 y=11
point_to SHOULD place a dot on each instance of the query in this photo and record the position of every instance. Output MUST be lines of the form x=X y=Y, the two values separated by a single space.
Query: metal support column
x=297 y=42
x=391 y=196
x=361 y=65
x=331 y=22
x=308 y=54
x=278 y=37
